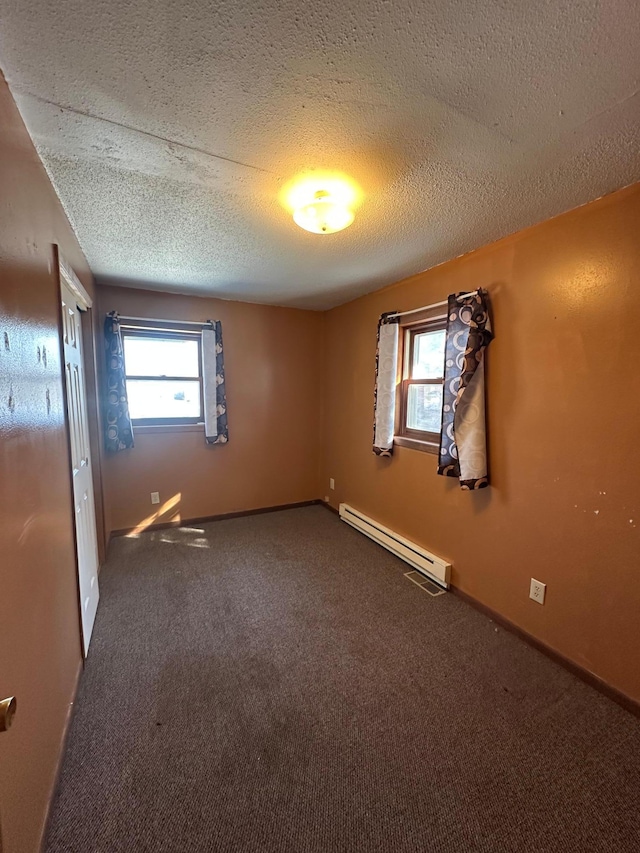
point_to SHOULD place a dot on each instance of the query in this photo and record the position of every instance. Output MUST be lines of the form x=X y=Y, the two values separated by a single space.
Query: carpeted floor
x=274 y=683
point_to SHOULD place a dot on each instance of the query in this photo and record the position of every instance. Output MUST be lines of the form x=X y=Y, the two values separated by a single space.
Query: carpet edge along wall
x=562 y=407
x=225 y=516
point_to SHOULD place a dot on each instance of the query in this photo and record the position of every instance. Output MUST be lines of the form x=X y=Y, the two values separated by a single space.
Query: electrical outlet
x=155 y=497
x=332 y=483
x=537 y=590
x=326 y=499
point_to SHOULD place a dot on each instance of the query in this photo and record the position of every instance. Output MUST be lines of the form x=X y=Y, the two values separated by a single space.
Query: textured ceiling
x=169 y=129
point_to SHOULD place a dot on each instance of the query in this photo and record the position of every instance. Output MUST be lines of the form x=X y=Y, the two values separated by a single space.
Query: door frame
x=72 y=281
x=66 y=275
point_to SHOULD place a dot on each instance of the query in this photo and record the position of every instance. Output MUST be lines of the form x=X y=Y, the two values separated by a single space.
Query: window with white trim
x=420 y=409
x=163 y=376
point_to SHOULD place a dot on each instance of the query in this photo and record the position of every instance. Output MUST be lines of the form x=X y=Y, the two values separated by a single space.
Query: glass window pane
x=428 y=355
x=424 y=407
x=161 y=398
x=161 y=357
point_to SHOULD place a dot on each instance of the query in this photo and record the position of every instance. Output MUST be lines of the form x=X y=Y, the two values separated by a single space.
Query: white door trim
x=73 y=283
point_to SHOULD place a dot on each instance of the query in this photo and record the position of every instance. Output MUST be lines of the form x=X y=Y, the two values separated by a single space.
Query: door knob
x=7 y=712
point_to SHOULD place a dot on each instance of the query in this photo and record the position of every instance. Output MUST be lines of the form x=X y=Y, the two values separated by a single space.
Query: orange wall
x=272 y=365
x=563 y=393
x=39 y=625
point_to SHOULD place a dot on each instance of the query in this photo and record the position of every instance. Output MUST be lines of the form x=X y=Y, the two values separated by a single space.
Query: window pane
x=161 y=357
x=428 y=355
x=163 y=398
x=424 y=407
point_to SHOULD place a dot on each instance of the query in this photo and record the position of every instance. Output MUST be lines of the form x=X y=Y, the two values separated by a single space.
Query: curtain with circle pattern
x=216 y=427
x=384 y=406
x=463 y=439
x=118 y=432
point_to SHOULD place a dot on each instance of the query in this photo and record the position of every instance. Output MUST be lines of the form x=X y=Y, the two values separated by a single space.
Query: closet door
x=81 y=474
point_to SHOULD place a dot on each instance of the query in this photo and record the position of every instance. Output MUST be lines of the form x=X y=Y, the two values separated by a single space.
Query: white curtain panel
x=385 y=393
x=470 y=430
x=209 y=384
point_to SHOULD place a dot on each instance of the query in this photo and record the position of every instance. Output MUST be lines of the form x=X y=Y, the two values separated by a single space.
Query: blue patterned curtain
x=118 y=432
x=216 y=429
x=463 y=440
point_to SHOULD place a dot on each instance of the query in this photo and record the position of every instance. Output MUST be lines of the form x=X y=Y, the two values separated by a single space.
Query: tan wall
x=272 y=365
x=40 y=651
x=563 y=413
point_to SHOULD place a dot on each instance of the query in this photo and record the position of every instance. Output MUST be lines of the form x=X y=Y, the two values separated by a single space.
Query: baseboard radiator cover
x=433 y=567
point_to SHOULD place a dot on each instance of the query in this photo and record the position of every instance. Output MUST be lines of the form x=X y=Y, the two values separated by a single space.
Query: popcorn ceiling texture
x=462 y=122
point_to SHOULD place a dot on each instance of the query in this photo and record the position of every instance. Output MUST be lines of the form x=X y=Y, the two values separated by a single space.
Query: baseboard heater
x=433 y=567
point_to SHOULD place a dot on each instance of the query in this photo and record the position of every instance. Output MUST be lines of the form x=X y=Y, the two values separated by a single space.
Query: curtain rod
x=434 y=305
x=163 y=320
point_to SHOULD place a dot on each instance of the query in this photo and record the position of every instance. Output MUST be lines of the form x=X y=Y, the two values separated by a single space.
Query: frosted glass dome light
x=323 y=215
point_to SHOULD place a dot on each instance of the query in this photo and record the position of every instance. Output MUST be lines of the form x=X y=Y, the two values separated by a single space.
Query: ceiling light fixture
x=322 y=202
x=324 y=214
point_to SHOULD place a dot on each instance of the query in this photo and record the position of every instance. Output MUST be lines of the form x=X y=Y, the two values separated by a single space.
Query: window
x=164 y=380
x=421 y=390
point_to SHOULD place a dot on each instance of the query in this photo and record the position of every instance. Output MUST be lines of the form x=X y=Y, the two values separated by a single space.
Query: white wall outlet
x=155 y=497
x=332 y=483
x=326 y=499
x=537 y=590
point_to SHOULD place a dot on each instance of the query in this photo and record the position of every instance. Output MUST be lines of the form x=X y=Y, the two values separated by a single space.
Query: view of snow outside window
x=169 y=397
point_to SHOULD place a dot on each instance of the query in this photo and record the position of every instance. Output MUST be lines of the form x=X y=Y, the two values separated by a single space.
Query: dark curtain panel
x=463 y=442
x=118 y=432
x=215 y=398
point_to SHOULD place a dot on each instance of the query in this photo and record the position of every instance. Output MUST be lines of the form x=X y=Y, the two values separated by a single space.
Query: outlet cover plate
x=155 y=497
x=332 y=483
x=537 y=591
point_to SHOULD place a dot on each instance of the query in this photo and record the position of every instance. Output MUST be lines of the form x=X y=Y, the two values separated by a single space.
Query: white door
x=85 y=516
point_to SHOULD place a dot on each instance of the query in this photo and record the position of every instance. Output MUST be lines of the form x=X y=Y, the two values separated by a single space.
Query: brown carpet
x=274 y=683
